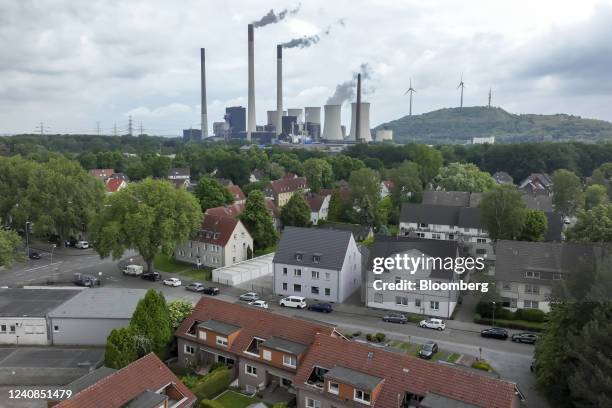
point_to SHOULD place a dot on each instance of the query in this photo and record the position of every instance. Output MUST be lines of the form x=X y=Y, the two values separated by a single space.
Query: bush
x=210 y=404
x=280 y=405
x=530 y=315
x=368 y=337
x=216 y=366
x=380 y=337
x=211 y=385
x=510 y=324
x=357 y=334
x=482 y=365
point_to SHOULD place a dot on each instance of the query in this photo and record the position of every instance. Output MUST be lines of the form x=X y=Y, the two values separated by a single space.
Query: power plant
x=332 y=128
x=203 y=83
x=251 y=124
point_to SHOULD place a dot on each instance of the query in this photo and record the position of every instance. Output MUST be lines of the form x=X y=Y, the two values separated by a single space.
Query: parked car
x=152 y=276
x=82 y=245
x=293 y=301
x=172 y=282
x=133 y=270
x=70 y=242
x=195 y=287
x=321 y=307
x=249 y=297
x=495 y=333
x=81 y=279
x=530 y=338
x=212 y=290
x=437 y=324
x=395 y=318
x=259 y=303
x=34 y=255
x=428 y=350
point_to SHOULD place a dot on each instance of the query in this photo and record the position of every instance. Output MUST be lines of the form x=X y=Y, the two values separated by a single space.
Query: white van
x=82 y=245
x=133 y=270
x=294 y=301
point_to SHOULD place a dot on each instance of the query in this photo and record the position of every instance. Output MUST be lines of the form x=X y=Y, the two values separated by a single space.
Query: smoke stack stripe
x=251 y=125
x=204 y=124
x=279 y=89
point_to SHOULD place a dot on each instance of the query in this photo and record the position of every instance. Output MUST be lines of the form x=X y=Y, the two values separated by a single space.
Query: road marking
x=43 y=266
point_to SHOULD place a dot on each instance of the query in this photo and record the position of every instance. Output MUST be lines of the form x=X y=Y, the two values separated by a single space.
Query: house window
x=284 y=271
x=55 y=328
x=297 y=288
x=202 y=335
x=222 y=341
x=333 y=388
x=400 y=300
x=316 y=258
x=532 y=274
x=531 y=304
x=314 y=290
x=289 y=360
x=250 y=370
x=12 y=328
x=420 y=234
x=327 y=276
x=310 y=403
x=435 y=236
x=297 y=273
x=362 y=396
x=557 y=276
x=327 y=292
x=534 y=289
x=422 y=225
x=189 y=349
x=417 y=302
x=284 y=285
x=3 y=328
x=267 y=355
x=315 y=275
x=481 y=240
x=434 y=305
x=298 y=256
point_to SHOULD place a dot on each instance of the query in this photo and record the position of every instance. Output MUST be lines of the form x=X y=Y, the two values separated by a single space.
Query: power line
x=42 y=128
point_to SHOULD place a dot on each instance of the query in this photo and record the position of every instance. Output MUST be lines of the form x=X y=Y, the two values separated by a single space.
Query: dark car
x=428 y=350
x=34 y=255
x=529 y=338
x=212 y=290
x=321 y=307
x=495 y=333
x=395 y=318
x=151 y=276
x=195 y=287
x=70 y=242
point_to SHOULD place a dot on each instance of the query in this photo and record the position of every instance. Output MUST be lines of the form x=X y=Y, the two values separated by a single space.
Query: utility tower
x=489 y=98
x=115 y=129
x=41 y=128
x=98 y=128
x=410 y=91
x=141 y=129
x=130 y=126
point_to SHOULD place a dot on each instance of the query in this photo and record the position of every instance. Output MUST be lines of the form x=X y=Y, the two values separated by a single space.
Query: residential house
x=179 y=173
x=319 y=206
x=344 y=374
x=181 y=183
x=525 y=272
x=501 y=177
x=234 y=210
x=146 y=383
x=360 y=232
x=386 y=188
x=237 y=193
x=220 y=241
x=439 y=303
x=256 y=175
x=88 y=318
x=102 y=174
x=282 y=190
x=23 y=314
x=322 y=264
x=115 y=184
x=537 y=183
x=264 y=349
x=224 y=182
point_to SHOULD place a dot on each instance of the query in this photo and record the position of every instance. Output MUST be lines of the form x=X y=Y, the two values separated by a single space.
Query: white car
x=437 y=324
x=172 y=282
x=82 y=245
x=133 y=270
x=259 y=303
x=249 y=297
x=294 y=301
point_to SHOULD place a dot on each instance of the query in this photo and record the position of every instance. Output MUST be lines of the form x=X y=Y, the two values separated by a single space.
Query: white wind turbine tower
x=461 y=85
x=411 y=91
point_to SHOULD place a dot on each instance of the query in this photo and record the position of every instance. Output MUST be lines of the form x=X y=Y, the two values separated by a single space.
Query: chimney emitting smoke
x=279 y=89
x=251 y=125
x=204 y=118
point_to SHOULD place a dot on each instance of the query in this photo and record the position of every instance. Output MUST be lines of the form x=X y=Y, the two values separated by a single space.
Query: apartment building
x=282 y=190
x=221 y=241
x=321 y=264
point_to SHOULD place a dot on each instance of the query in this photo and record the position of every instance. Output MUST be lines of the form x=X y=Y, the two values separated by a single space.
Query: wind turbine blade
x=406 y=93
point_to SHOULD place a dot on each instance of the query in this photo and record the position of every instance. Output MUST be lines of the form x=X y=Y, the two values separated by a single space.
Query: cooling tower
x=279 y=90
x=364 y=123
x=297 y=112
x=251 y=123
x=331 y=128
x=204 y=123
x=312 y=114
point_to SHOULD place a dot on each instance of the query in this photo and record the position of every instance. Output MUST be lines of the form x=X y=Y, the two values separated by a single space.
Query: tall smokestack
x=358 y=111
x=279 y=89
x=203 y=79
x=251 y=123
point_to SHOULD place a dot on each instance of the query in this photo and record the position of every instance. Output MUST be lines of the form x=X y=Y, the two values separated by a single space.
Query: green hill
x=455 y=125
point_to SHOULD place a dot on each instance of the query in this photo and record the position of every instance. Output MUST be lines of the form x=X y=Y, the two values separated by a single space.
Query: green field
x=168 y=264
x=232 y=399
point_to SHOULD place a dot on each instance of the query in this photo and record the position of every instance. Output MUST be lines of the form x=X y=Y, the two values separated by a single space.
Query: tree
x=151 y=216
x=258 y=221
x=151 y=320
x=120 y=348
x=429 y=160
x=464 y=177
x=364 y=184
x=212 y=194
x=502 y=211
x=343 y=165
x=9 y=242
x=594 y=225
x=319 y=174
x=179 y=309
x=296 y=213
x=535 y=225
x=567 y=192
x=407 y=184
x=595 y=195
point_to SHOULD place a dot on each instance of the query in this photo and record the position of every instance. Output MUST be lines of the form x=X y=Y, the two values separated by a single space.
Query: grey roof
x=554 y=230
x=32 y=302
x=516 y=257
x=538 y=202
x=101 y=303
x=432 y=400
x=501 y=177
x=219 y=327
x=147 y=399
x=357 y=379
x=469 y=217
x=276 y=343
x=358 y=231
x=456 y=198
x=90 y=378
x=386 y=246
x=329 y=244
x=430 y=214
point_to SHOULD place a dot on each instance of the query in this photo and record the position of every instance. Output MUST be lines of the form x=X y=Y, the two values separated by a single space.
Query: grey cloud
x=273 y=18
x=346 y=90
x=307 y=41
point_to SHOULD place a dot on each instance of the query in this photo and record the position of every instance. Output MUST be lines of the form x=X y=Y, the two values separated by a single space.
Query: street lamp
x=493 y=313
x=27 y=231
x=99 y=278
x=52 y=248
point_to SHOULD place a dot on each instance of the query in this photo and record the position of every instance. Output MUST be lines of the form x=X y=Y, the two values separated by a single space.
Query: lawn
x=413 y=350
x=168 y=264
x=232 y=399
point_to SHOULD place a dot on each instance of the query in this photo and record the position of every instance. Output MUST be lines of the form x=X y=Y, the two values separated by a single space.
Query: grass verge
x=232 y=399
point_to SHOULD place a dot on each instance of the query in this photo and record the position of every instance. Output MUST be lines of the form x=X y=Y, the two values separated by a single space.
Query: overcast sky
x=75 y=62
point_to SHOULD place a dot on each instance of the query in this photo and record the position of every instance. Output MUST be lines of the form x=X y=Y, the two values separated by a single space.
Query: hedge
x=510 y=324
x=485 y=309
x=482 y=365
x=210 y=404
x=211 y=385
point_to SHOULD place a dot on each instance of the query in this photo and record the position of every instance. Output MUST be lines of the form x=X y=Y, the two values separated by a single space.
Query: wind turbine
x=489 y=98
x=461 y=85
x=411 y=91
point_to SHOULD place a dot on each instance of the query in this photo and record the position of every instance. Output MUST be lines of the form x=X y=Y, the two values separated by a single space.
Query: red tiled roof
x=389 y=184
x=314 y=201
x=253 y=323
x=288 y=184
x=113 y=184
x=236 y=192
x=102 y=173
x=403 y=373
x=122 y=386
x=236 y=209
x=344 y=192
x=216 y=230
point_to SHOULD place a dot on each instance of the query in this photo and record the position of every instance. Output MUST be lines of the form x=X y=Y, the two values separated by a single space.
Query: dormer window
x=333 y=387
x=299 y=256
x=316 y=258
x=216 y=236
x=362 y=396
